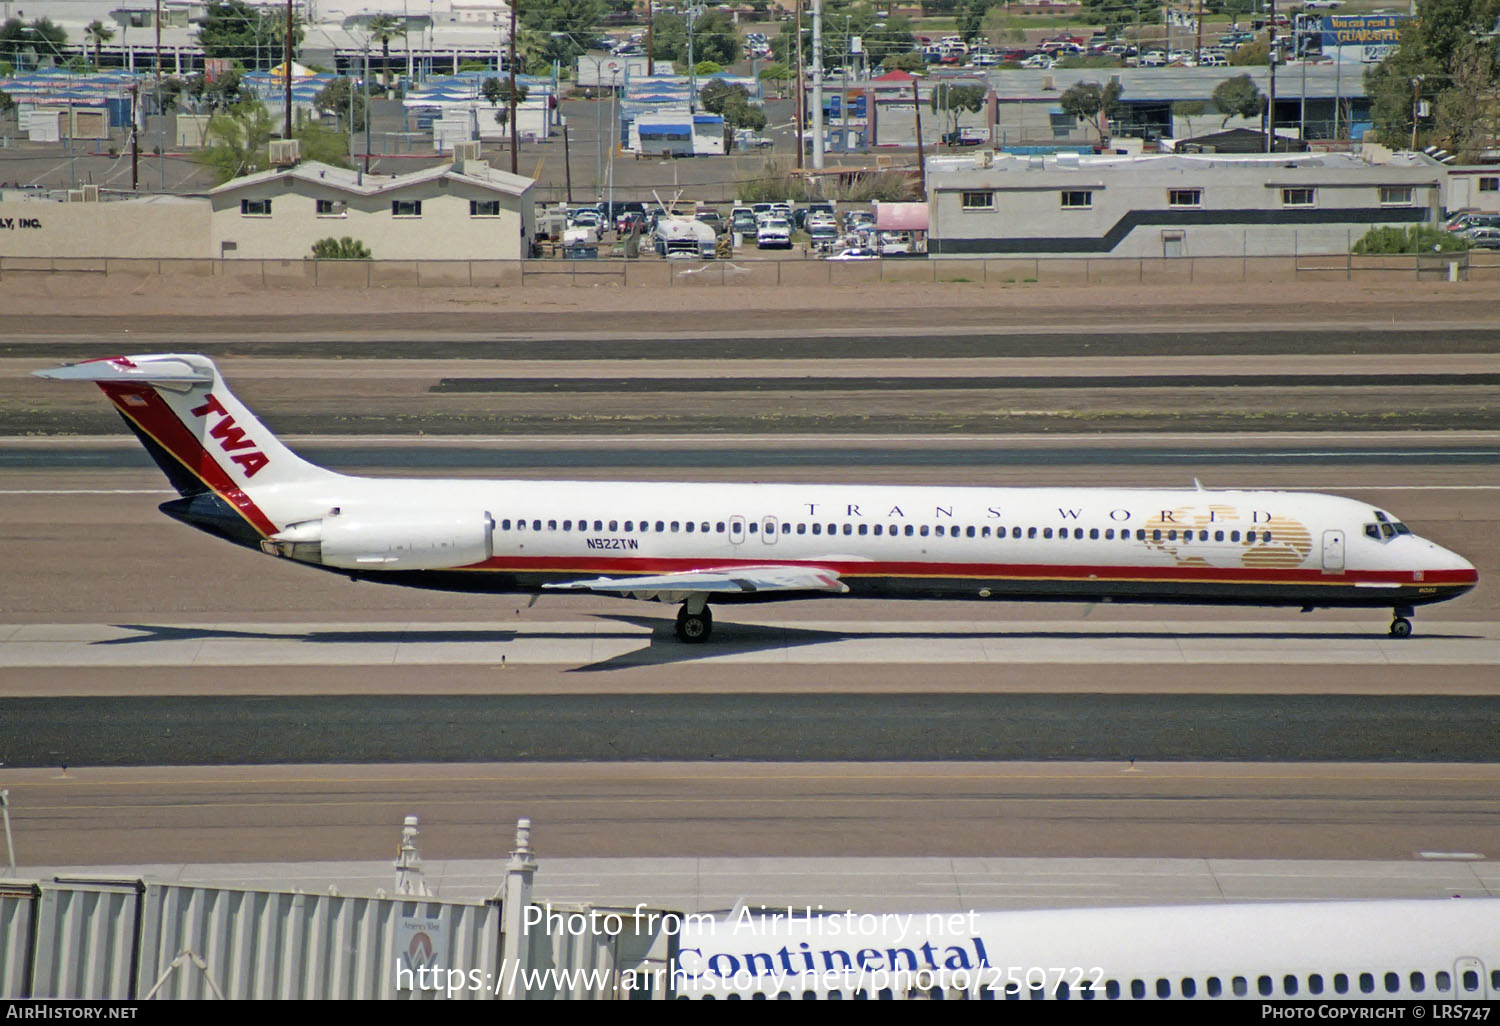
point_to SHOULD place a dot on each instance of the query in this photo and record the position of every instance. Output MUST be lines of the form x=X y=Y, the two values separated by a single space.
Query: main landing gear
x=694 y=625
x=1401 y=626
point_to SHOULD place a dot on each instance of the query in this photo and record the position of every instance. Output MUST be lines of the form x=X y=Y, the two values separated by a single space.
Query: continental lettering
x=612 y=543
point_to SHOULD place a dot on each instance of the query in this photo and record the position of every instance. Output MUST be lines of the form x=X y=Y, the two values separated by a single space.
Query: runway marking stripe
x=162 y=424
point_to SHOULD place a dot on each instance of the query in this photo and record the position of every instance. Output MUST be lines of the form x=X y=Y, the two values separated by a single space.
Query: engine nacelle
x=400 y=541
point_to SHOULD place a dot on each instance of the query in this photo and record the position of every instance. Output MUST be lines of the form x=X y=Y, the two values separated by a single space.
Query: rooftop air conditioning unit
x=984 y=158
x=465 y=150
x=285 y=152
x=1049 y=82
x=90 y=194
x=75 y=195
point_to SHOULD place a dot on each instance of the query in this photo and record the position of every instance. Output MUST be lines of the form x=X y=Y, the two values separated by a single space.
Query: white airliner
x=696 y=543
x=1445 y=950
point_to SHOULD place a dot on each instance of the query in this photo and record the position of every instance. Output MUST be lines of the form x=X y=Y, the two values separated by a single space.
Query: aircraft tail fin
x=203 y=438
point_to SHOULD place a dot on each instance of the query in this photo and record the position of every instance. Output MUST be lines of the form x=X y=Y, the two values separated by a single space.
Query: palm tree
x=385 y=27
x=98 y=33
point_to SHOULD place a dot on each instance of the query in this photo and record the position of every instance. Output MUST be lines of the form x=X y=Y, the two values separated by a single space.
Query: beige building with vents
x=466 y=210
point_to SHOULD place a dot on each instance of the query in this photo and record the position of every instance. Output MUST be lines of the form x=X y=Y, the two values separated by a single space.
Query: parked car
x=1481 y=237
x=855 y=253
x=713 y=219
x=1462 y=222
x=774 y=233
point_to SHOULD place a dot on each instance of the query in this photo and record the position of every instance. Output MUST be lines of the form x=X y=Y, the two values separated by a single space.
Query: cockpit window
x=1387 y=531
x=1402 y=528
x=1372 y=531
x=1384 y=528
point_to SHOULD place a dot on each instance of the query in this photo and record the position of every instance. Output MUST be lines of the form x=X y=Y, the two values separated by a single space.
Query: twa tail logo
x=232 y=438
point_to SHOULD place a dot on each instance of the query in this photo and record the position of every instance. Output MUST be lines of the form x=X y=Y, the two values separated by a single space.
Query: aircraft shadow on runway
x=662 y=647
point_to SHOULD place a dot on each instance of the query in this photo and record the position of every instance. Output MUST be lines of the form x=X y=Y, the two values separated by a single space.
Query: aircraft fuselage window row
x=1141 y=534
x=1264 y=985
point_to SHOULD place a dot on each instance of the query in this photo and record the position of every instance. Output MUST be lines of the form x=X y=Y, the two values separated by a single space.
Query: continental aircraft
x=1445 y=950
x=692 y=544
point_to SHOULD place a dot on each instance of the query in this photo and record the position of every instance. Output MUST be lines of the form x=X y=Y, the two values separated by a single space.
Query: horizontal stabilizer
x=157 y=370
x=734 y=580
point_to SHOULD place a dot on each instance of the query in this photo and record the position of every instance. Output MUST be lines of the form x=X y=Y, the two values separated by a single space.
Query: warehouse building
x=1173 y=205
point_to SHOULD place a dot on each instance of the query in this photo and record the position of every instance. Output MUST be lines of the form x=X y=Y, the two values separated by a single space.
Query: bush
x=340 y=249
x=1416 y=239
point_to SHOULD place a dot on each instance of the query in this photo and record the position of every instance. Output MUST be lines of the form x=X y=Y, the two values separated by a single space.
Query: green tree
x=340 y=249
x=715 y=38
x=1113 y=15
x=6 y=103
x=225 y=91
x=1187 y=110
x=1238 y=96
x=911 y=61
x=971 y=17
x=385 y=27
x=1468 y=113
x=496 y=92
x=233 y=30
x=778 y=73
x=238 y=136
x=951 y=101
x=318 y=142
x=334 y=99
x=1086 y=100
x=732 y=102
x=1251 y=55
x=42 y=38
x=561 y=29
x=98 y=34
x=1428 y=62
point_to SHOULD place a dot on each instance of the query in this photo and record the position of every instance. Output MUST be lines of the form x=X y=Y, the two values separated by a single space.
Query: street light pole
x=288 y=67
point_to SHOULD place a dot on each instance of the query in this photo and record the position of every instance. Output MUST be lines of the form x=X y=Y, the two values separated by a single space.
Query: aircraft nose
x=1450 y=563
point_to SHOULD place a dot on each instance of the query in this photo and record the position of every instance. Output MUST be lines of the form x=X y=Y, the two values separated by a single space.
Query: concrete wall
x=1130 y=211
x=444 y=231
x=160 y=227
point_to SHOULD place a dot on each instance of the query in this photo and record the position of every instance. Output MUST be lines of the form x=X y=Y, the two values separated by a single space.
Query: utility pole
x=1198 y=51
x=288 y=68
x=817 y=74
x=511 y=100
x=916 y=102
x=1271 y=101
x=650 y=60
x=567 y=161
x=366 y=84
x=801 y=98
x=135 y=141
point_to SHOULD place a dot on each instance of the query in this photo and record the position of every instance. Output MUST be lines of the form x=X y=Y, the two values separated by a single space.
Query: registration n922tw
x=695 y=544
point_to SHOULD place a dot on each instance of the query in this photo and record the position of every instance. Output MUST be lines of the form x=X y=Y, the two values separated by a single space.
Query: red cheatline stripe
x=986 y=571
x=162 y=425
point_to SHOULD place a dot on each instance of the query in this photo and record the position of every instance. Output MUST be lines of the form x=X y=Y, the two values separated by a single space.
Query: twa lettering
x=232 y=438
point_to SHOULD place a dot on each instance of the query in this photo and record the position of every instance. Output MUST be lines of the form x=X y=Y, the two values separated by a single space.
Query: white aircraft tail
x=202 y=437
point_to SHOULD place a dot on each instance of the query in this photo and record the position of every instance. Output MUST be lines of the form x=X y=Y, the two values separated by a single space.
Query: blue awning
x=707 y=119
x=665 y=131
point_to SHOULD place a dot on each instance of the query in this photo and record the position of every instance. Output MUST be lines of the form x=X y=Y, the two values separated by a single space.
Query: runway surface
x=1415 y=813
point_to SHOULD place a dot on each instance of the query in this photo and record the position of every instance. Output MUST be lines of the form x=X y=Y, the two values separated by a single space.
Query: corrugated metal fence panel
x=259 y=944
x=85 y=940
x=597 y=953
x=17 y=910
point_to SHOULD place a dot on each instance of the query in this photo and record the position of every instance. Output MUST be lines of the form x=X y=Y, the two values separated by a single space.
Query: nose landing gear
x=1401 y=626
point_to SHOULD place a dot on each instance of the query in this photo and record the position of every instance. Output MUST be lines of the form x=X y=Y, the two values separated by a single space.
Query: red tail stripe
x=161 y=423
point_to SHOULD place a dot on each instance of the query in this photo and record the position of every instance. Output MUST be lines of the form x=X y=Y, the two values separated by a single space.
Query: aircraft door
x=1333 y=551
x=1468 y=979
x=736 y=530
x=768 y=530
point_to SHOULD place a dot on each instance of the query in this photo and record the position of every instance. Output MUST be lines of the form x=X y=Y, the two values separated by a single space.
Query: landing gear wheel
x=694 y=628
x=1400 y=627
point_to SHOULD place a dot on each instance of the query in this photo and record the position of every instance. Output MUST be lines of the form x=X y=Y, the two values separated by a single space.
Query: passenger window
x=1189 y=987
x=984 y=532
x=1187 y=536
x=1015 y=532
x=863 y=528
x=1046 y=532
x=802 y=528
x=688 y=527
x=1340 y=983
x=1289 y=984
x=1392 y=982
x=1263 y=986
x=1442 y=981
x=1218 y=536
x=614 y=525
x=833 y=528
x=1086 y=990
x=520 y=525
x=1234 y=536
x=536 y=525
x=718 y=528
x=505 y=525
x=1366 y=983
x=1265 y=536
x=1078 y=533
x=1470 y=979
x=1203 y=536
x=1112 y=989
x=660 y=527
x=938 y=530
x=970 y=531
x=848 y=528
x=878 y=528
x=1140 y=534
x=750 y=527
x=1418 y=983
x=1172 y=534
x=598 y=525
x=1093 y=534
x=923 y=531
x=909 y=530
x=1239 y=986
x=675 y=525
x=1315 y=984
x=567 y=525
x=1214 y=988
x=552 y=525
x=1109 y=534
x=1062 y=993
x=1163 y=988
x=1156 y=534
x=1031 y=532
x=817 y=528
x=1495 y=979
x=1137 y=989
